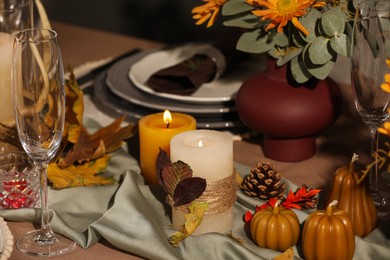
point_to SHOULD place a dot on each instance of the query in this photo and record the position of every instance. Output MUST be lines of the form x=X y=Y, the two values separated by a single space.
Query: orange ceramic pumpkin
x=353 y=197
x=328 y=234
x=275 y=228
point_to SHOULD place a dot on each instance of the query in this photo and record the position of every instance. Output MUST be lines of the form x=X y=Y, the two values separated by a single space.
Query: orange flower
x=386 y=85
x=280 y=12
x=208 y=11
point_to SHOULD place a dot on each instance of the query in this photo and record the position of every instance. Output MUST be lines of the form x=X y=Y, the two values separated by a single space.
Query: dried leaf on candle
x=192 y=220
x=188 y=190
x=173 y=173
x=85 y=174
x=162 y=160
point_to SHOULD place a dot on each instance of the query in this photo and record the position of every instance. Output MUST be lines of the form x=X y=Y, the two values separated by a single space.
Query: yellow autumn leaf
x=85 y=174
x=74 y=109
x=192 y=221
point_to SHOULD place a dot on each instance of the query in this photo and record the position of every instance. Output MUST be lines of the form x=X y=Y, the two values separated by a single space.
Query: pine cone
x=264 y=182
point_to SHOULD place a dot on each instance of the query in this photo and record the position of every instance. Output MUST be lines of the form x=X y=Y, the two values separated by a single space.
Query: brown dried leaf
x=161 y=160
x=105 y=140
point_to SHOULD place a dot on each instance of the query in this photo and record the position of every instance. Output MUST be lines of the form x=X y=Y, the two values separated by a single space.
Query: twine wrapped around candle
x=221 y=195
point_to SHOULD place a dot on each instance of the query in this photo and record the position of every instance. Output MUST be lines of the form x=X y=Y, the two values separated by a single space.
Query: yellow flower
x=208 y=11
x=280 y=12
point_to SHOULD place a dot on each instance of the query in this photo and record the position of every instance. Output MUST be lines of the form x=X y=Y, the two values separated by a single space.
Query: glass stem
x=374 y=171
x=46 y=235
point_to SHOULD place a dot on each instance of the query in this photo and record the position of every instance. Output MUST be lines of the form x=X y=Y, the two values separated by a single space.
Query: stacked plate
x=122 y=89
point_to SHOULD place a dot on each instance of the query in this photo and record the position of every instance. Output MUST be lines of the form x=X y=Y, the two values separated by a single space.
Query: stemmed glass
x=370 y=49
x=39 y=105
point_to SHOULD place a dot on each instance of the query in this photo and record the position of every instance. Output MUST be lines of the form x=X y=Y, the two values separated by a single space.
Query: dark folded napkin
x=208 y=63
x=185 y=77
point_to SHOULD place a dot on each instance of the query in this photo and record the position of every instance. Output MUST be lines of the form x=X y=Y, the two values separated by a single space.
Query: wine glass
x=39 y=106
x=370 y=49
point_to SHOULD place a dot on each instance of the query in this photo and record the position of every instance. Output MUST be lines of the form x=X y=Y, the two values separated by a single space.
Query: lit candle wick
x=200 y=144
x=167 y=118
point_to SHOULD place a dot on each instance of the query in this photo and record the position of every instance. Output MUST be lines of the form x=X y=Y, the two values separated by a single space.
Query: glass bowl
x=19 y=181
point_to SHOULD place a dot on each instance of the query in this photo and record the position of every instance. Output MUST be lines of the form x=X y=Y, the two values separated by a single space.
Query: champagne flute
x=370 y=49
x=39 y=105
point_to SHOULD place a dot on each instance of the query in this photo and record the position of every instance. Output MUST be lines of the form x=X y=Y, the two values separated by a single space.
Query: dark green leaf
x=161 y=160
x=174 y=173
x=188 y=190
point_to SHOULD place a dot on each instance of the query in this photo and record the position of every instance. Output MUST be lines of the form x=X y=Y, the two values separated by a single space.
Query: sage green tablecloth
x=134 y=217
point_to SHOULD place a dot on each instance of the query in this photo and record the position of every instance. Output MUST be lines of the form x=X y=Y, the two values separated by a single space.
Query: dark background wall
x=169 y=21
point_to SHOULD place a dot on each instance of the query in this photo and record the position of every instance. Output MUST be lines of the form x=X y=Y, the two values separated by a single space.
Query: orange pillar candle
x=156 y=131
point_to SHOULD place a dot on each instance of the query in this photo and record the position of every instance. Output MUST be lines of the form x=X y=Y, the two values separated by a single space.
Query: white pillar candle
x=210 y=155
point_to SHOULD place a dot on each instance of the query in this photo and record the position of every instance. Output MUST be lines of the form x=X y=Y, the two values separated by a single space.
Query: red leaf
x=248 y=216
x=173 y=173
x=188 y=190
x=161 y=160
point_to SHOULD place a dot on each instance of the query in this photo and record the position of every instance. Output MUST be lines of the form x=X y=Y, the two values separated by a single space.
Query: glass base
x=30 y=244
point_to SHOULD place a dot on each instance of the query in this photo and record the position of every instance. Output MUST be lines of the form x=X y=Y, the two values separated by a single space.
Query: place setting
x=123 y=88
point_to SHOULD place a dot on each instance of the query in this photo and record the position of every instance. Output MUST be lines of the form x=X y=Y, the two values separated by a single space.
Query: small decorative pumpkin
x=351 y=192
x=276 y=228
x=328 y=234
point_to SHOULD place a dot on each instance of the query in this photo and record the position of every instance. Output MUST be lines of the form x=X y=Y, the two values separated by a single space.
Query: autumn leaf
x=303 y=197
x=90 y=147
x=85 y=174
x=192 y=221
x=188 y=190
x=173 y=173
x=74 y=109
x=161 y=160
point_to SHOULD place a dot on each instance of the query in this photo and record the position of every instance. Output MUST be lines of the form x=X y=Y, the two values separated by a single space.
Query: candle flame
x=200 y=144
x=167 y=118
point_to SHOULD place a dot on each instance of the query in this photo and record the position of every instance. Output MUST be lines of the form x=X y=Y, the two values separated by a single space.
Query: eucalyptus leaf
x=341 y=44
x=332 y=24
x=299 y=71
x=233 y=7
x=289 y=56
x=281 y=39
x=254 y=42
x=323 y=71
x=309 y=21
x=339 y=12
x=319 y=51
x=246 y=21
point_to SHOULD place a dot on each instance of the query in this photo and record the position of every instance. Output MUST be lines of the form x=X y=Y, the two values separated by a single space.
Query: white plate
x=118 y=82
x=6 y=240
x=219 y=90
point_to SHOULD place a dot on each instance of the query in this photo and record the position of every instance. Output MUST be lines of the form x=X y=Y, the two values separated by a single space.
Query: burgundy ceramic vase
x=289 y=115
